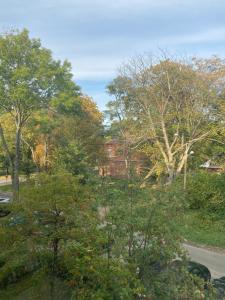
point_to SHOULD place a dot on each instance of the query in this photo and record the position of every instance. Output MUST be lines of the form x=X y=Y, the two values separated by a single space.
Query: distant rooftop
x=210 y=165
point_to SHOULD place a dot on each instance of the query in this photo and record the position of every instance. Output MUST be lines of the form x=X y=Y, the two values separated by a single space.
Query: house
x=118 y=159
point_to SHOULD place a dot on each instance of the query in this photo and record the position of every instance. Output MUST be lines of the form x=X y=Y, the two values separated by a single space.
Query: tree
x=167 y=104
x=79 y=138
x=40 y=138
x=29 y=79
x=68 y=135
x=49 y=219
x=123 y=126
x=83 y=124
x=213 y=70
x=54 y=229
x=139 y=230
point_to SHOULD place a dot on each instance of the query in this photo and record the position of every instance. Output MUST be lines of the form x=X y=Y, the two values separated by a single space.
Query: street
x=212 y=259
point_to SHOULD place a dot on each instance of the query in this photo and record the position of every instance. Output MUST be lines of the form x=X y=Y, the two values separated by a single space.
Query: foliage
x=71 y=157
x=206 y=191
x=29 y=79
x=165 y=105
x=51 y=211
x=29 y=75
x=139 y=228
x=201 y=227
x=102 y=238
x=125 y=254
x=37 y=286
x=66 y=136
x=53 y=227
x=81 y=136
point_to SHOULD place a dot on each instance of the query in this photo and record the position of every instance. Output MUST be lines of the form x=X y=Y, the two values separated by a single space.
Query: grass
x=201 y=228
x=6 y=188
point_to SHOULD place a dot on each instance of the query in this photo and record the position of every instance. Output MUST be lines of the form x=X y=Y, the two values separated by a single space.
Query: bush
x=140 y=223
x=206 y=191
x=15 y=269
x=125 y=255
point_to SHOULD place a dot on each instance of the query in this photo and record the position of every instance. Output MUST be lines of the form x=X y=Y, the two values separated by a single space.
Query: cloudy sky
x=96 y=36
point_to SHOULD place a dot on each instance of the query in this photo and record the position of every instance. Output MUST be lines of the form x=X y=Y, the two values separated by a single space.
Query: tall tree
x=213 y=70
x=29 y=78
x=168 y=105
x=79 y=139
x=67 y=136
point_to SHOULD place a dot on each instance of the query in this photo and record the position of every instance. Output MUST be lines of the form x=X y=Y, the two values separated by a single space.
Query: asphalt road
x=212 y=259
x=8 y=181
x=5 y=182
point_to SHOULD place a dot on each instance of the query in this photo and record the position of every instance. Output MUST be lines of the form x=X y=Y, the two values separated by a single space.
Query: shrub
x=206 y=190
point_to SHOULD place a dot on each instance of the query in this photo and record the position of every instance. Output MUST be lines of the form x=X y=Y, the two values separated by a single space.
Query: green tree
x=69 y=135
x=54 y=229
x=139 y=229
x=29 y=79
x=81 y=121
x=49 y=218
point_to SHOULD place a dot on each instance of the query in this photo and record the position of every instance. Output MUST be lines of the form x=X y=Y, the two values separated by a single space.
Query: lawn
x=200 y=228
x=6 y=188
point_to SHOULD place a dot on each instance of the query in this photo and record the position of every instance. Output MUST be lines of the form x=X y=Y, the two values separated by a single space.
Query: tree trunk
x=5 y=147
x=11 y=161
x=15 y=173
x=55 y=245
x=171 y=176
x=46 y=155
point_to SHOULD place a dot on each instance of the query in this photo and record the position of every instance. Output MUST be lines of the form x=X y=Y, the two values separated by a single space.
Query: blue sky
x=96 y=36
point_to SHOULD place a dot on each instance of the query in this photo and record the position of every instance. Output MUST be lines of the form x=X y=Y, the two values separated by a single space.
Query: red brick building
x=115 y=164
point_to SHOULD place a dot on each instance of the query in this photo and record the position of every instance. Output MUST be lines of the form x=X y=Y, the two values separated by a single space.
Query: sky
x=97 y=36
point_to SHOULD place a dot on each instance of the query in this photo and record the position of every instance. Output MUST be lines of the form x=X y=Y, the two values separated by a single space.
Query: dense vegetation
x=70 y=234
x=203 y=220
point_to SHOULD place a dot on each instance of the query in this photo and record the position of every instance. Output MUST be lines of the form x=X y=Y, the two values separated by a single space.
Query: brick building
x=115 y=164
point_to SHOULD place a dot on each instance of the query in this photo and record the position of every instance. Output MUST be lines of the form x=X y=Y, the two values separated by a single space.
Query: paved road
x=214 y=260
x=5 y=182
x=8 y=181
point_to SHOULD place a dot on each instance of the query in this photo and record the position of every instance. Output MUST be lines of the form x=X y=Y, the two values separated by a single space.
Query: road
x=5 y=181
x=214 y=260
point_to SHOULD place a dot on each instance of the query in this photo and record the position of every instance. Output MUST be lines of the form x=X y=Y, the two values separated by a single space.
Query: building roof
x=209 y=165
